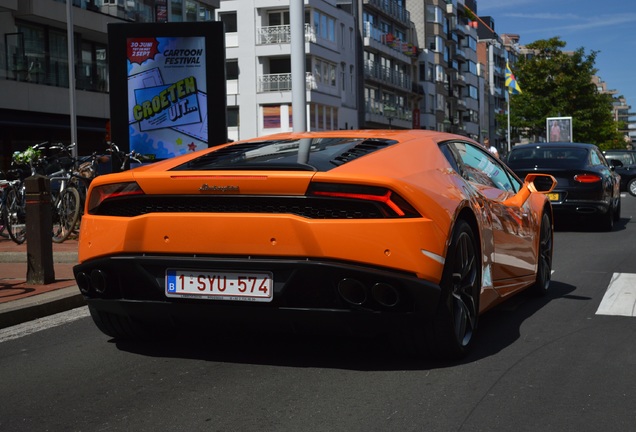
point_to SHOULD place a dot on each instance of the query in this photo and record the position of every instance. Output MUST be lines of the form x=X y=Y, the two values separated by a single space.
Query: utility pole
x=299 y=92
x=71 y=74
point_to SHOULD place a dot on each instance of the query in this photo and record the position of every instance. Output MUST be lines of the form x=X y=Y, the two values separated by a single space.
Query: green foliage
x=27 y=157
x=559 y=84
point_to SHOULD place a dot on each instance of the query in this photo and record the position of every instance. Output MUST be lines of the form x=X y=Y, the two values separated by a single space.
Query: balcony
x=282 y=82
x=273 y=35
x=386 y=113
x=460 y=54
x=392 y=9
x=386 y=75
x=390 y=44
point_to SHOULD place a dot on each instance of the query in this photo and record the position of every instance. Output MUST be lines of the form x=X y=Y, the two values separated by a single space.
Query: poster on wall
x=559 y=129
x=161 y=76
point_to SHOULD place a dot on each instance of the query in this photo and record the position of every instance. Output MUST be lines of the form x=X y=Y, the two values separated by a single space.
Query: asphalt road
x=549 y=364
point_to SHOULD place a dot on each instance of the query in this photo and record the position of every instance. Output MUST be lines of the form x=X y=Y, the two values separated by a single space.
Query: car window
x=597 y=159
x=537 y=157
x=481 y=167
x=315 y=154
x=625 y=158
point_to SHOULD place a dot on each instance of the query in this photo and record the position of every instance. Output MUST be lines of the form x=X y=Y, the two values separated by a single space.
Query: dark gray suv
x=627 y=171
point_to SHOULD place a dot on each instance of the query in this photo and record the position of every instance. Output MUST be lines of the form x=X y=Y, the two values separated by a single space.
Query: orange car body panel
x=413 y=245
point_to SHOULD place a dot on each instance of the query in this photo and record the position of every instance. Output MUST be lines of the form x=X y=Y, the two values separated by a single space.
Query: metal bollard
x=39 y=228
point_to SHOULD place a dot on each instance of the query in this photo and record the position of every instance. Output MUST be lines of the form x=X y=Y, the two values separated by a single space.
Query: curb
x=21 y=257
x=39 y=306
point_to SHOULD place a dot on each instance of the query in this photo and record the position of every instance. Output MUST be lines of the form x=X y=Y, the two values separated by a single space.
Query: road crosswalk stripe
x=620 y=297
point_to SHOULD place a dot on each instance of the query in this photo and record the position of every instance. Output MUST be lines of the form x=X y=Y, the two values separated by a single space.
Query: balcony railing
x=389 y=40
x=389 y=111
x=387 y=75
x=283 y=82
x=281 y=35
x=393 y=9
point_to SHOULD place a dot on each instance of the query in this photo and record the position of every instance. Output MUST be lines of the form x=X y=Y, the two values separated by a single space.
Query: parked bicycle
x=14 y=205
x=65 y=199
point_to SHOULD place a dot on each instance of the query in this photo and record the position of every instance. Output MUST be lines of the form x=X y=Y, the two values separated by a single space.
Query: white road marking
x=620 y=297
x=39 y=324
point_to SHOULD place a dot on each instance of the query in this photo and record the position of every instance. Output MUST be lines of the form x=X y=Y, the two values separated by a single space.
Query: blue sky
x=604 y=26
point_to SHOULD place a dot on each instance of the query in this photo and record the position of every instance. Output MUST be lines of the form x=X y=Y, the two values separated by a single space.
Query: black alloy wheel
x=544 y=257
x=453 y=328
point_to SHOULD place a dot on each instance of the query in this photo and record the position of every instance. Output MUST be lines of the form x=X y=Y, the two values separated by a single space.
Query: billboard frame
x=213 y=35
x=559 y=128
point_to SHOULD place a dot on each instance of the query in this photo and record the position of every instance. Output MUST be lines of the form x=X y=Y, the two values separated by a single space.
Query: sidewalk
x=21 y=302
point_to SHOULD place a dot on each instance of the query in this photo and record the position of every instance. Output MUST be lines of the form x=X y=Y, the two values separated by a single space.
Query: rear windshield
x=542 y=157
x=310 y=154
x=625 y=158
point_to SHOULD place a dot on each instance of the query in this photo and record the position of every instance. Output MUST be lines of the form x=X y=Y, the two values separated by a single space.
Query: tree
x=555 y=83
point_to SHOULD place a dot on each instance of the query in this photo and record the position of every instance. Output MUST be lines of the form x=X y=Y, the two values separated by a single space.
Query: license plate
x=553 y=197
x=220 y=285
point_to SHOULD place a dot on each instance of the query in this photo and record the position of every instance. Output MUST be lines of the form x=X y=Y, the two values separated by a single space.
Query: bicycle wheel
x=15 y=217
x=3 y=222
x=65 y=214
x=3 y=218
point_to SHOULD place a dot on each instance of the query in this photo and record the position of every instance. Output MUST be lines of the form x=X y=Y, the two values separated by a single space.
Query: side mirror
x=539 y=183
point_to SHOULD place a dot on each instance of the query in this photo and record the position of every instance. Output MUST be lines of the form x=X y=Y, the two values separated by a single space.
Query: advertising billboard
x=559 y=129
x=168 y=94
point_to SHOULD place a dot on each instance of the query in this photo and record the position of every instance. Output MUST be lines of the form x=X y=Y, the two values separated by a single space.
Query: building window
x=278 y=18
x=233 y=116
x=325 y=26
x=229 y=21
x=38 y=54
x=231 y=70
x=271 y=117
x=434 y=14
x=176 y=10
x=324 y=72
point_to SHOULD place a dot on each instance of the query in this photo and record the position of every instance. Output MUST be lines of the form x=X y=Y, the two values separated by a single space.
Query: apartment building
x=34 y=76
x=620 y=109
x=390 y=52
x=493 y=54
x=258 y=53
x=448 y=70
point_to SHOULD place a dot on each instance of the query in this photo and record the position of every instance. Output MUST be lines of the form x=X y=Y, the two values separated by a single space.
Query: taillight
x=117 y=190
x=397 y=205
x=587 y=178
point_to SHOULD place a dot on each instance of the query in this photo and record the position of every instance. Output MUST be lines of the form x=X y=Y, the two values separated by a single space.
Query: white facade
x=258 y=55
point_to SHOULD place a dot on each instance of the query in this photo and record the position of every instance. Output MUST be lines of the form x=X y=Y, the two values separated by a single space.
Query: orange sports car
x=416 y=232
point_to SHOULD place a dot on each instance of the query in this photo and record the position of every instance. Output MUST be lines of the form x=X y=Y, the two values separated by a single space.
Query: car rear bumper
x=306 y=292
x=581 y=207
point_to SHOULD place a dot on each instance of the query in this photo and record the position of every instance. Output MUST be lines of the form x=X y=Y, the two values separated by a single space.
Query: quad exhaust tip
x=356 y=293
x=96 y=281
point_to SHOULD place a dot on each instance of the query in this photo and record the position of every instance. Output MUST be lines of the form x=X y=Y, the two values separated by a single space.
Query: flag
x=511 y=81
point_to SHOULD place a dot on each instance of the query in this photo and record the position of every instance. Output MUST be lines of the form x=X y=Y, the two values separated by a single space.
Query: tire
x=617 y=212
x=631 y=187
x=15 y=217
x=66 y=214
x=453 y=328
x=544 y=257
x=606 y=220
x=3 y=224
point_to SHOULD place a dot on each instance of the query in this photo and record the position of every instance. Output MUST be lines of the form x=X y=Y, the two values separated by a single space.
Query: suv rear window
x=627 y=158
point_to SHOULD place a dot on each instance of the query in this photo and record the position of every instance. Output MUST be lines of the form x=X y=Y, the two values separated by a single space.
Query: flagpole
x=508 y=99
